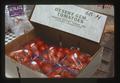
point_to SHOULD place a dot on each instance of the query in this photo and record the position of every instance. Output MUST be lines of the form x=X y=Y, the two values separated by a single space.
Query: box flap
x=71 y=19
x=105 y=9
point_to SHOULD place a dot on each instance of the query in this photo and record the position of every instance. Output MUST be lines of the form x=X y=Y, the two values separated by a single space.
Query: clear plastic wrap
x=16 y=19
x=55 y=62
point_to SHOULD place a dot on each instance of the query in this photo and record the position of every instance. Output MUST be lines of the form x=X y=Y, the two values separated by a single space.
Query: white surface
x=106 y=9
x=10 y=68
x=48 y=15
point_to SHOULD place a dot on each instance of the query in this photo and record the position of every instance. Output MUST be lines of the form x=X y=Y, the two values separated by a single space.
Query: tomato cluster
x=37 y=55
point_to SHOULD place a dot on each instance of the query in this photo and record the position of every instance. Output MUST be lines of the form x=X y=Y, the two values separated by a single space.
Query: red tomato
x=12 y=54
x=42 y=48
x=77 y=52
x=70 y=59
x=45 y=56
x=21 y=54
x=66 y=74
x=60 y=53
x=84 y=58
x=39 y=62
x=66 y=62
x=54 y=59
x=52 y=55
x=46 y=68
x=73 y=66
x=28 y=52
x=27 y=46
x=54 y=75
x=61 y=49
x=34 y=65
x=33 y=47
x=17 y=55
x=17 y=58
x=39 y=43
x=26 y=60
x=58 y=70
x=67 y=51
x=46 y=46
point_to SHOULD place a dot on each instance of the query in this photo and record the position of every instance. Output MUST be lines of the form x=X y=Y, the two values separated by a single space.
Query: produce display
x=53 y=61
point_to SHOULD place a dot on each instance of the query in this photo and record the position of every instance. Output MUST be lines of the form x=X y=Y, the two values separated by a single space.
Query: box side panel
x=29 y=73
x=53 y=36
x=25 y=72
x=10 y=68
x=49 y=35
x=93 y=65
x=19 y=42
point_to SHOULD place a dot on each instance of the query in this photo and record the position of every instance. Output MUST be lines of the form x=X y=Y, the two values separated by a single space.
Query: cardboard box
x=54 y=37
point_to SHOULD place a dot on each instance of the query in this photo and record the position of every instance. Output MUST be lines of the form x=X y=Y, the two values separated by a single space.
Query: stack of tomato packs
x=55 y=62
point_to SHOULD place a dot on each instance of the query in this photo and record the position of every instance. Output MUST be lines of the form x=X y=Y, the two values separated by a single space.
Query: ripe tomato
x=12 y=54
x=54 y=75
x=39 y=62
x=76 y=51
x=61 y=49
x=46 y=68
x=39 y=43
x=28 y=53
x=67 y=51
x=84 y=58
x=60 y=53
x=46 y=46
x=42 y=47
x=45 y=56
x=17 y=58
x=34 y=65
x=26 y=60
x=52 y=55
x=27 y=46
x=66 y=74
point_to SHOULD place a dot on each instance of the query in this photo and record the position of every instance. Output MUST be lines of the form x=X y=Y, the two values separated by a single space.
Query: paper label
x=71 y=19
x=15 y=10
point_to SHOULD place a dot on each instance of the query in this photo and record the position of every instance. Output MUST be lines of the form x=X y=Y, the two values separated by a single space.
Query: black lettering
x=56 y=9
x=58 y=14
x=83 y=17
x=76 y=15
x=98 y=17
x=89 y=13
